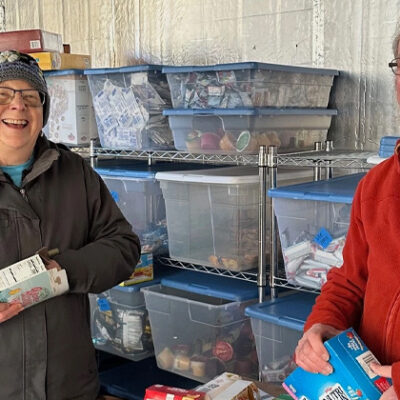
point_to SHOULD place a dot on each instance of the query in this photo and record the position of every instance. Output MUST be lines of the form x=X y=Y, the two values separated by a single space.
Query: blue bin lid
x=62 y=72
x=248 y=65
x=387 y=144
x=290 y=311
x=212 y=285
x=252 y=111
x=141 y=170
x=339 y=190
x=127 y=69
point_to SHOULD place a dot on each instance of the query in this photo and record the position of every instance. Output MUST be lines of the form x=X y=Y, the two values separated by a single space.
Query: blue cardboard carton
x=351 y=378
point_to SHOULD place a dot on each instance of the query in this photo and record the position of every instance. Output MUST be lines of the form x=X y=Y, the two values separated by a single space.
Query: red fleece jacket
x=365 y=292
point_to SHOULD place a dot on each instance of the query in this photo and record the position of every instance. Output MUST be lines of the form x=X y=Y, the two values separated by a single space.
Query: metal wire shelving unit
x=250 y=276
x=322 y=160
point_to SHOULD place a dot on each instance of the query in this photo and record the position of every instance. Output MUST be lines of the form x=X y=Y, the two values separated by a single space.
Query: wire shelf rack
x=250 y=276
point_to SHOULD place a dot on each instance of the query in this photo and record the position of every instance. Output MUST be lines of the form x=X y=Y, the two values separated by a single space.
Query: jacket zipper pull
x=23 y=194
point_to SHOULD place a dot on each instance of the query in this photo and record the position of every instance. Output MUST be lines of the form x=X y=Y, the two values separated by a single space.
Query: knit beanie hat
x=16 y=65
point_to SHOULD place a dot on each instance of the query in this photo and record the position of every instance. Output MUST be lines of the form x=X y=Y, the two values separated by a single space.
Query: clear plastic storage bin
x=138 y=195
x=277 y=327
x=198 y=325
x=313 y=220
x=249 y=84
x=387 y=145
x=240 y=131
x=212 y=215
x=71 y=118
x=120 y=323
x=128 y=102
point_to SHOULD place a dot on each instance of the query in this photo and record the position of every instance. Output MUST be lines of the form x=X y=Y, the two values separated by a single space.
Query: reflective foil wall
x=353 y=36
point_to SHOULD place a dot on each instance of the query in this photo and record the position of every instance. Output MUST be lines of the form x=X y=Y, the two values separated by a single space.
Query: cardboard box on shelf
x=162 y=392
x=71 y=119
x=47 y=60
x=31 y=40
x=55 y=60
x=143 y=271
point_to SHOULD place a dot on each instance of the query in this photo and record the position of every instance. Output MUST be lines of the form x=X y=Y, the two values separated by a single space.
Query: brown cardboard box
x=47 y=60
x=55 y=60
x=75 y=61
x=31 y=40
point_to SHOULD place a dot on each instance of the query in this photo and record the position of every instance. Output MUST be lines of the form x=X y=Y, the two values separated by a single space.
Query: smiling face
x=20 y=126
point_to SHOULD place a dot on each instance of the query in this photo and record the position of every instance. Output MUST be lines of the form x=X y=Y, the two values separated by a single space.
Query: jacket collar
x=45 y=153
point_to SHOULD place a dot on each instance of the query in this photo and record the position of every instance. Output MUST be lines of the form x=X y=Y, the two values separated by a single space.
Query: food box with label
x=313 y=220
x=249 y=84
x=71 y=120
x=277 y=327
x=244 y=130
x=31 y=40
x=212 y=215
x=352 y=377
x=199 y=327
x=128 y=102
x=54 y=60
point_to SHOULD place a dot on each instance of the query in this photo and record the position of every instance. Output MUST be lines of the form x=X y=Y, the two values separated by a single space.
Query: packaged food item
x=239 y=390
x=218 y=384
x=352 y=378
x=143 y=272
x=162 y=392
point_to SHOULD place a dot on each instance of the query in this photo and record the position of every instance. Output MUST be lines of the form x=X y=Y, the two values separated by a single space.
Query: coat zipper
x=23 y=194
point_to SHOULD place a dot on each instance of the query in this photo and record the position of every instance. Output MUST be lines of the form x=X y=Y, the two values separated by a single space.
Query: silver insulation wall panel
x=353 y=36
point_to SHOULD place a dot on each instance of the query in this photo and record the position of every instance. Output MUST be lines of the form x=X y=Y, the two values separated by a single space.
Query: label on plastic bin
x=323 y=238
x=103 y=304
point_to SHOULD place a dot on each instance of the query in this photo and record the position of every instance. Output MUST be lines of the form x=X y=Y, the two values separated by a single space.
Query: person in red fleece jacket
x=365 y=292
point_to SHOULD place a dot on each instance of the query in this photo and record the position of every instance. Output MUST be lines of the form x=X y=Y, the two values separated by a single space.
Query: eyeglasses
x=30 y=97
x=394 y=65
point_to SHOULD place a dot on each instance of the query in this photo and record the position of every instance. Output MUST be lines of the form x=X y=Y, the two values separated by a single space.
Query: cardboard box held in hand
x=351 y=379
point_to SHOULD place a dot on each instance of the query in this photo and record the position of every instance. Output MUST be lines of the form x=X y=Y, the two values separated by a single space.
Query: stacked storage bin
x=138 y=195
x=71 y=119
x=119 y=322
x=199 y=327
x=128 y=105
x=313 y=220
x=277 y=327
x=226 y=108
x=212 y=215
x=387 y=145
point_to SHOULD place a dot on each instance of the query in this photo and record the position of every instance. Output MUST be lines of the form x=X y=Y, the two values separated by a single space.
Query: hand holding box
x=352 y=378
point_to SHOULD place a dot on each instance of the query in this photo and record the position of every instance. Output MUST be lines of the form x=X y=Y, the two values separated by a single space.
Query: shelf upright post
x=272 y=162
x=92 y=154
x=317 y=168
x=262 y=262
x=328 y=169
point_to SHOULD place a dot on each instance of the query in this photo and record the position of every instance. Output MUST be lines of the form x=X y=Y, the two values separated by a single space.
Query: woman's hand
x=311 y=354
x=386 y=371
x=8 y=311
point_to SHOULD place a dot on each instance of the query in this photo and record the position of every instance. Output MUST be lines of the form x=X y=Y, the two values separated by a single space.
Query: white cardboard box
x=71 y=119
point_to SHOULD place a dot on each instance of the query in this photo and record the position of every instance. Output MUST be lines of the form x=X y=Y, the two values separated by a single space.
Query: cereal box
x=351 y=379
